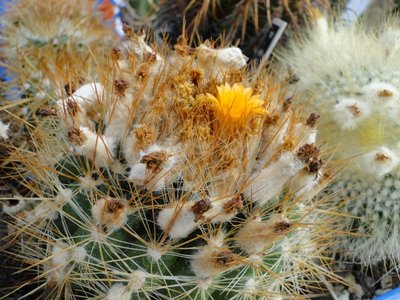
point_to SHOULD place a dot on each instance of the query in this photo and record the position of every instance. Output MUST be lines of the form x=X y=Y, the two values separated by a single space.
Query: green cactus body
x=175 y=176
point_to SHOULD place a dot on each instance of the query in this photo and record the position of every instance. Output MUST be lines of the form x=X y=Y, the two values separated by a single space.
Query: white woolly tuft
x=349 y=113
x=217 y=213
x=129 y=152
x=83 y=100
x=154 y=252
x=380 y=93
x=64 y=196
x=87 y=183
x=118 y=120
x=380 y=162
x=88 y=95
x=250 y=287
x=4 y=128
x=113 y=220
x=231 y=58
x=270 y=181
x=41 y=212
x=250 y=237
x=219 y=61
x=204 y=284
x=204 y=264
x=322 y=28
x=140 y=47
x=123 y=292
x=179 y=220
x=137 y=280
x=118 y=291
x=79 y=254
x=101 y=148
x=138 y=173
x=305 y=184
x=155 y=181
x=60 y=256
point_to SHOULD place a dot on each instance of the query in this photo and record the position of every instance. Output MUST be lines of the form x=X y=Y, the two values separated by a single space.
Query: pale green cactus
x=352 y=76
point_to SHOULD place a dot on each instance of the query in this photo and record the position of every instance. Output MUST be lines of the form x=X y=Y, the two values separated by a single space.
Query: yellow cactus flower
x=236 y=104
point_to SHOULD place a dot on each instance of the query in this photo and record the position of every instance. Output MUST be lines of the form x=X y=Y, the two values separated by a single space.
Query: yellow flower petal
x=236 y=104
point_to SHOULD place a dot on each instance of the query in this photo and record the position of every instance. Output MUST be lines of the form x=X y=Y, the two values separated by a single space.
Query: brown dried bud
x=196 y=76
x=315 y=165
x=385 y=93
x=75 y=136
x=116 y=54
x=234 y=205
x=200 y=207
x=312 y=120
x=381 y=157
x=181 y=47
x=110 y=213
x=224 y=257
x=282 y=227
x=154 y=160
x=144 y=135
x=121 y=86
x=70 y=87
x=142 y=72
x=72 y=107
x=288 y=144
x=354 y=109
x=272 y=119
x=286 y=105
x=308 y=152
x=47 y=111
x=115 y=206
x=129 y=32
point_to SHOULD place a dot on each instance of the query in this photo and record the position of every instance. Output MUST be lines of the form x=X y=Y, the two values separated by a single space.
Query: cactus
x=51 y=42
x=352 y=75
x=174 y=176
x=48 y=47
x=245 y=23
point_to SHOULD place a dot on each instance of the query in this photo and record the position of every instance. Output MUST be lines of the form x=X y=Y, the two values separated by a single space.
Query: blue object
x=391 y=295
x=354 y=9
x=3 y=71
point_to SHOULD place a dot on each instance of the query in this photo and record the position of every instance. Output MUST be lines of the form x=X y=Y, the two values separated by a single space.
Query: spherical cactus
x=51 y=42
x=244 y=22
x=353 y=78
x=175 y=176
